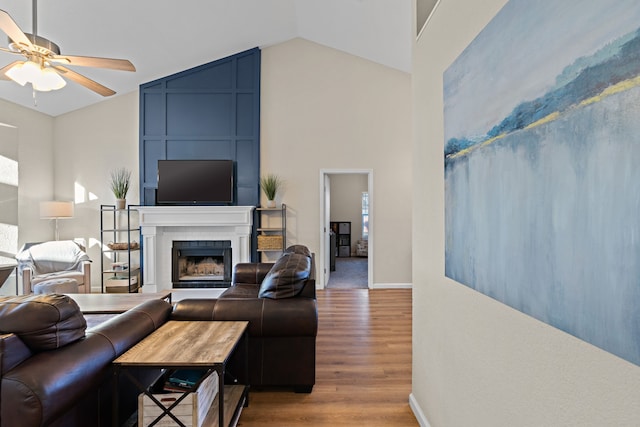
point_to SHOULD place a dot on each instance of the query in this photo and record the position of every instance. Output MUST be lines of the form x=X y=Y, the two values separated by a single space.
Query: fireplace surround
x=162 y=225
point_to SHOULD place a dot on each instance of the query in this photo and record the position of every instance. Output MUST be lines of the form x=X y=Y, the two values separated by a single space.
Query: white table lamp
x=56 y=210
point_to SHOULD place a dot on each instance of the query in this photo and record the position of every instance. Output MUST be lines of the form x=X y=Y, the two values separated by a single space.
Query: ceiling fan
x=44 y=65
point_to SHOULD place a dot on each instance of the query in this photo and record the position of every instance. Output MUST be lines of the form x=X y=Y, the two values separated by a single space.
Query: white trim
x=435 y=6
x=417 y=411
x=392 y=286
x=322 y=259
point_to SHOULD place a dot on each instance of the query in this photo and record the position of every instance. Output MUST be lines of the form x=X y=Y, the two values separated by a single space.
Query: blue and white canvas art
x=542 y=166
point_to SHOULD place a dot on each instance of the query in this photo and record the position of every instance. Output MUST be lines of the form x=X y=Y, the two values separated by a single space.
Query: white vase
x=271 y=203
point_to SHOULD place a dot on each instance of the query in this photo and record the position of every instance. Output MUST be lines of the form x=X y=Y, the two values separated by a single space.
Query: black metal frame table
x=189 y=344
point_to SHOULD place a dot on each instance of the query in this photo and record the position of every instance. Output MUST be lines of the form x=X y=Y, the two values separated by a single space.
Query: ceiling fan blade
x=84 y=81
x=9 y=26
x=6 y=68
x=90 y=61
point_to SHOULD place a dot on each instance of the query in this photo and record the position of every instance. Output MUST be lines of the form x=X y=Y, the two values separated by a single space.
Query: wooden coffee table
x=114 y=303
x=188 y=345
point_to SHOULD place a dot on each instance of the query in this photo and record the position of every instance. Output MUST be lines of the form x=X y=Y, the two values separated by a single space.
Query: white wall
x=325 y=109
x=91 y=142
x=346 y=202
x=476 y=361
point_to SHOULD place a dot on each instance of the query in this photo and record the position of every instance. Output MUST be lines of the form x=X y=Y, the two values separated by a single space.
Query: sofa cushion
x=298 y=249
x=287 y=276
x=43 y=322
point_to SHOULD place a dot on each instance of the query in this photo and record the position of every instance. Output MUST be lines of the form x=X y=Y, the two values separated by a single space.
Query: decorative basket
x=123 y=246
x=269 y=242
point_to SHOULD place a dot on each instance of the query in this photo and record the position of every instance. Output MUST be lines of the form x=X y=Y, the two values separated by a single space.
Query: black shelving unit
x=121 y=249
x=272 y=239
x=342 y=230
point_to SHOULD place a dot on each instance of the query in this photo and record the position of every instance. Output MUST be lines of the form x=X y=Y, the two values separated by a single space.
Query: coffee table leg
x=221 y=397
x=115 y=397
x=245 y=338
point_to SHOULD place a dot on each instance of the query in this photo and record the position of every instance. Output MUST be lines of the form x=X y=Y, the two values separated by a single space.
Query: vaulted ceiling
x=162 y=37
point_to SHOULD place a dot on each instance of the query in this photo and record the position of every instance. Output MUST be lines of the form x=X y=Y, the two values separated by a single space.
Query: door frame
x=323 y=258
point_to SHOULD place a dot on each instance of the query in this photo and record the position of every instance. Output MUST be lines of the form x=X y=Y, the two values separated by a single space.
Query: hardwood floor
x=363 y=366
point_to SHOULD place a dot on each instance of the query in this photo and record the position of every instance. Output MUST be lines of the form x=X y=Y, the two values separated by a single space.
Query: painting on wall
x=542 y=167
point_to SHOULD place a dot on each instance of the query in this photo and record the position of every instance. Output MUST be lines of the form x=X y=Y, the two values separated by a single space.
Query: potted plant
x=270 y=184
x=120 y=180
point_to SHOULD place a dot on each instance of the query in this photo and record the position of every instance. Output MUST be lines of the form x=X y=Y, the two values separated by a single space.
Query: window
x=8 y=194
x=365 y=215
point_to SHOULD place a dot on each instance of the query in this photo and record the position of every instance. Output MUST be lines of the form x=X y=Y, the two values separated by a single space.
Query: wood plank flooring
x=363 y=366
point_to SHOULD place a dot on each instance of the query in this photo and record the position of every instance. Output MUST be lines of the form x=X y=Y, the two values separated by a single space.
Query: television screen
x=195 y=182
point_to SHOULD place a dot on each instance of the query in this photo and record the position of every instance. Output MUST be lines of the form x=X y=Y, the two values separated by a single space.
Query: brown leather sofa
x=56 y=374
x=279 y=301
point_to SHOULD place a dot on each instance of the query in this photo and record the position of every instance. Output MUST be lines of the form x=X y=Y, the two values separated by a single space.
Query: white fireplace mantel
x=161 y=225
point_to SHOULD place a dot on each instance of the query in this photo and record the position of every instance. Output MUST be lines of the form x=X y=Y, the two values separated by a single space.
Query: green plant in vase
x=270 y=185
x=119 y=183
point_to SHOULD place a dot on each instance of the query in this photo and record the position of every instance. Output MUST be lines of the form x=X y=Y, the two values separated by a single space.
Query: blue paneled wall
x=208 y=112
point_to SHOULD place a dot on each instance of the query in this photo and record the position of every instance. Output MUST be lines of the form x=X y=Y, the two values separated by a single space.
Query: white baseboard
x=417 y=411
x=392 y=285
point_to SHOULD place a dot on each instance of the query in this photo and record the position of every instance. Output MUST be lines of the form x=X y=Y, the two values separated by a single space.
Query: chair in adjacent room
x=362 y=248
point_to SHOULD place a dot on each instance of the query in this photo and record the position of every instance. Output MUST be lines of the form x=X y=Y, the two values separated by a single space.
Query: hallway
x=350 y=273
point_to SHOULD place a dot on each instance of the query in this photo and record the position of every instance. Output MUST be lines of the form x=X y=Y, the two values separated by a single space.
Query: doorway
x=350 y=262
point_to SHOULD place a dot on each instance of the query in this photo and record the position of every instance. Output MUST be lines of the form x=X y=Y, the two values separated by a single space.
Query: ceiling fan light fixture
x=23 y=72
x=42 y=79
x=48 y=80
x=42 y=68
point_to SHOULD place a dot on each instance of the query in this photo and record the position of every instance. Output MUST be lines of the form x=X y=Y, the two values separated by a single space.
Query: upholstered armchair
x=64 y=259
x=362 y=247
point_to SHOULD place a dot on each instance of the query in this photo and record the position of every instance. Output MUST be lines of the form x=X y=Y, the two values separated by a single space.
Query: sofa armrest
x=45 y=386
x=13 y=351
x=250 y=273
x=127 y=329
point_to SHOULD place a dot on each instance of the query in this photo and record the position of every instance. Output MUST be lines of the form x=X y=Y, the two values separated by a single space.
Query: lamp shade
x=56 y=209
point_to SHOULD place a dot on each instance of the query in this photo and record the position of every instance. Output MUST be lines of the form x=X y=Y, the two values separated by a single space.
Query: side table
x=188 y=345
x=5 y=272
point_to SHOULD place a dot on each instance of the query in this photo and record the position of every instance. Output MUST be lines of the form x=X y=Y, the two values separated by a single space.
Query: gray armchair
x=38 y=262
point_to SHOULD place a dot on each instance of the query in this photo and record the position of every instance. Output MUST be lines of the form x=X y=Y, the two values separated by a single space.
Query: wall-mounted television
x=195 y=182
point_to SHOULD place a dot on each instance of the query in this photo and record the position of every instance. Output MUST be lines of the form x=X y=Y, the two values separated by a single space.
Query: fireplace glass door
x=201 y=264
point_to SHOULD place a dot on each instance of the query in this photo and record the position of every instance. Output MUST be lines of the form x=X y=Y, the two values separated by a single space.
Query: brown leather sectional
x=67 y=384
x=282 y=331
x=54 y=373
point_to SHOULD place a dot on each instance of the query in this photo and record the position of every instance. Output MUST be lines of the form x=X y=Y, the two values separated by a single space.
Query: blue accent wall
x=208 y=112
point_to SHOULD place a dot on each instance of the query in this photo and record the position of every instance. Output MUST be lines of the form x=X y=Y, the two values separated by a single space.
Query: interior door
x=326 y=236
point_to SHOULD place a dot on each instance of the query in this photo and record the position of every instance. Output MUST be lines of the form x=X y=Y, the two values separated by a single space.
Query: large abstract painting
x=542 y=166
